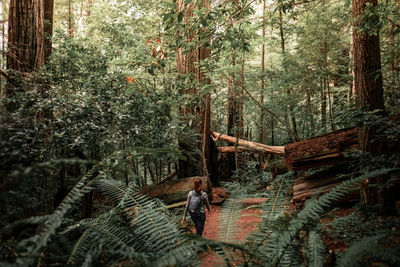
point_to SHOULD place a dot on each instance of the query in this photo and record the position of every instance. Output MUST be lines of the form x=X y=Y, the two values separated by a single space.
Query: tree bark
x=369 y=90
x=200 y=113
x=367 y=73
x=232 y=149
x=323 y=105
x=319 y=151
x=28 y=42
x=290 y=113
x=70 y=29
x=277 y=150
x=176 y=191
x=89 y=4
x=48 y=27
x=261 y=119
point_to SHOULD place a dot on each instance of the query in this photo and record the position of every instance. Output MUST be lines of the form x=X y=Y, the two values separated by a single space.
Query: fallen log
x=277 y=150
x=176 y=205
x=168 y=177
x=320 y=181
x=231 y=149
x=323 y=150
x=177 y=191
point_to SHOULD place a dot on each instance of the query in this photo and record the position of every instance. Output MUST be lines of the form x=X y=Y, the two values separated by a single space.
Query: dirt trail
x=247 y=223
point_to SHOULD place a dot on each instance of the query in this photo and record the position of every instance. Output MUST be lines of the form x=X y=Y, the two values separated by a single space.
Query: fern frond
x=315 y=250
x=367 y=250
x=83 y=187
x=150 y=230
x=82 y=246
x=35 y=220
x=229 y=215
x=315 y=207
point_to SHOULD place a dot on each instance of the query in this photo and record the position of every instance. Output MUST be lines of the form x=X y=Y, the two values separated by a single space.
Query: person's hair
x=197 y=185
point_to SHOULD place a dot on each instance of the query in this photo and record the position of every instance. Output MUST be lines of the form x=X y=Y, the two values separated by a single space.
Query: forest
x=287 y=110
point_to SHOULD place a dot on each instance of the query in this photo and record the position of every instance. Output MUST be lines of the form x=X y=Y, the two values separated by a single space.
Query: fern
x=229 y=215
x=54 y=220
x=315 y=250
x=367 y=250
x=143 y=233
x=83 y=245
x=315 y=207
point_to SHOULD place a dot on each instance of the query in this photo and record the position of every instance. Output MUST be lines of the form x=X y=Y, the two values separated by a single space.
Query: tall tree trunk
x=369 y=90
x=261 y=119
x=3 y=41
x=89 y=4
x=70 y=29
x=352 y=89
x=48 y=27
x=330 y=107
x=323 y=105
x=29 y=37
x=26 y=34
x=310 y=114
x=187 y=64
x=290 y=113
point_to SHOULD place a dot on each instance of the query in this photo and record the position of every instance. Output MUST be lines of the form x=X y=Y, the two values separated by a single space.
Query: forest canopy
x=110 y=108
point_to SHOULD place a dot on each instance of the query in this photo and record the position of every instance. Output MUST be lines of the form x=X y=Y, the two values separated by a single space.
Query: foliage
x=104 y=114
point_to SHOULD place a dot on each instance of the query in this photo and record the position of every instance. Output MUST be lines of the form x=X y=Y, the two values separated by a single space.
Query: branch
x=290 y=131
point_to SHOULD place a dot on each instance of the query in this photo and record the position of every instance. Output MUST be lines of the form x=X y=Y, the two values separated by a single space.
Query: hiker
x=195 y=205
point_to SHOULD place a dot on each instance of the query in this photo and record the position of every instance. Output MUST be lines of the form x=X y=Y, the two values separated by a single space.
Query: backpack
x=195 y=203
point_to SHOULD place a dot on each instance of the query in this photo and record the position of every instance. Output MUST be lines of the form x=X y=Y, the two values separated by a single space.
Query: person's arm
x=186 y=207
x=206 y=202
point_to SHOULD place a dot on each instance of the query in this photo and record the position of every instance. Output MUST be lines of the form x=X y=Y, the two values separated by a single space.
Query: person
x=196 y=203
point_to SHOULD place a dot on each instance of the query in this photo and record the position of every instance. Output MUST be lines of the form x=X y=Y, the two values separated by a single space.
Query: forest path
x=248 y=222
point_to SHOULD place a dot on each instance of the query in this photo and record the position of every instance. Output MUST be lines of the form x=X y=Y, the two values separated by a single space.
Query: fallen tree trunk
x=277 y=150
x=177 y=191
x=319 y=151
x=168 y=177
x=320 y=181
x=231 y=149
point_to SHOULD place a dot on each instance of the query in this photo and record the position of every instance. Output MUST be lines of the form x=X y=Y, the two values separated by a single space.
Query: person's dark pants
x=199 y=221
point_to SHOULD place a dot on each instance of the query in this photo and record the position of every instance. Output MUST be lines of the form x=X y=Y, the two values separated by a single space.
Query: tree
x=368 y=86
x=261 y=119
x=29 y=33
x=367 y=69
x=199 y=113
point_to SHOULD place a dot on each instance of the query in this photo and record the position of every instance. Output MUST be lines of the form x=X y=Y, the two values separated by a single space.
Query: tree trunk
x=310 y=114
x=369 y=90
x=277 y=150
x=70 y=29
x=261 y=120
x=28 y=42
x=290 y=113
x=48 y=27
x=3 y=41
x=232 y=149
x=176 y=191
x=89 y=4
x=352 y=89
x=323 y=105
x=187 y=64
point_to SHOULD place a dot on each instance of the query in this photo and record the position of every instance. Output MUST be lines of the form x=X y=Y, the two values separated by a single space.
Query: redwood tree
x=369 y=91
x=188 y=65
x=367 y=70
x=29 y=32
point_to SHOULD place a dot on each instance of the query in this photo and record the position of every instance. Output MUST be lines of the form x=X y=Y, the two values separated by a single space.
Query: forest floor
x=248 y=222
